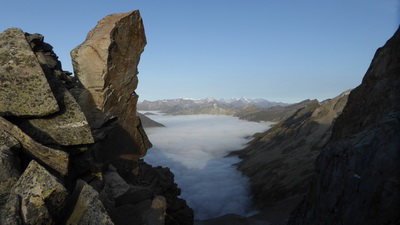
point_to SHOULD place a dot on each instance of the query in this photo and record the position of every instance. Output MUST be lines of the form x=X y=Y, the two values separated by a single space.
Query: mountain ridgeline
x=186 y=106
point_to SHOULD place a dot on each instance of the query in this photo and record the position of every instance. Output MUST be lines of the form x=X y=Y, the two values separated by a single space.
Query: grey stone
x=88 y=208
x=11 y=211
x=9 y=161
x=24 y=90
x=43 y=195
x=150 y=211
x=156 y=214
x=134 y=195
x=68 y=126
x=56 y=159
x=114 y=186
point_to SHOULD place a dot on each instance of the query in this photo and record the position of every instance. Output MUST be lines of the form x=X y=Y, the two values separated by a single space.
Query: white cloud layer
x=193 y=147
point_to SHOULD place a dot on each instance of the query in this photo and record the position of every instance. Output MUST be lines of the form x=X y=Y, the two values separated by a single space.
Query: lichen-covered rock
x=88 y=209
x=56 y=159
x=24 y=90
x=43 y=195
x=9 y=161
x=106 y=66
x=10 y=212
x=357 y=175
x=68 y=126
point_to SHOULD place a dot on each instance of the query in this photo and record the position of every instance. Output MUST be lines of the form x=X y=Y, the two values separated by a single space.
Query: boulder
x=68 y=126
x=9 y=161
x=10 y=212
x=24 y=90
x=134 y=195
x=43 y=195
x=145 y=212
x=87 y=208
x=56 y=159
x=357 y=175
x=106 y=66
x=114 y=186
x=156 y=213
x=161 y=181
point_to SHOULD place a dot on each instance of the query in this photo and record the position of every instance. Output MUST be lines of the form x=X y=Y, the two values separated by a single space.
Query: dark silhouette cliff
x=357 y=176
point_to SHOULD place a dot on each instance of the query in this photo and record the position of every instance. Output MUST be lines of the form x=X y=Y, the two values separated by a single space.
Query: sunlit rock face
x=357 y=175
x=280 y=162
x=106 y=66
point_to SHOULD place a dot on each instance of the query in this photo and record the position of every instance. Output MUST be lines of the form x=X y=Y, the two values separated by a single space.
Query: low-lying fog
x=193 y=147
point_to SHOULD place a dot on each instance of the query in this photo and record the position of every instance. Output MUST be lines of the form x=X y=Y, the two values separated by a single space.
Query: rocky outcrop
x=10 y=211
x=280 y=162
x=57 y=167
x=88 y=209
x=161 y=181
x=106 y=66
x=54 y=158
x=9 y=161
x=43 y=196
x=22 y=75
x=357 y=174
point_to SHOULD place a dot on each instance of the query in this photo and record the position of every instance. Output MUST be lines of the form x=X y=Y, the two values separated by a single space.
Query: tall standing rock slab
x=106 y=66
x=20 y=77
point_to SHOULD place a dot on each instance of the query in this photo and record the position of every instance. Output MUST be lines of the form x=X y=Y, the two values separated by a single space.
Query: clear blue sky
x=278 y=50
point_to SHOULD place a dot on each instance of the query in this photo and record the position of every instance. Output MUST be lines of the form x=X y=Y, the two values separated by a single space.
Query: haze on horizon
x=282 y=51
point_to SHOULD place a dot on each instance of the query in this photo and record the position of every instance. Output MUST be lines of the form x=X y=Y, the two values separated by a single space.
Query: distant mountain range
x=182 y=106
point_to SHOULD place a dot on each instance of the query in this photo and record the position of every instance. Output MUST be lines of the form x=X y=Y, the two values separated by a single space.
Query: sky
x=284 y=51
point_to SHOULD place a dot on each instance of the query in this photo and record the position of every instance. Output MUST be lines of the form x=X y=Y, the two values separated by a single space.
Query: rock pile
x=70 y=147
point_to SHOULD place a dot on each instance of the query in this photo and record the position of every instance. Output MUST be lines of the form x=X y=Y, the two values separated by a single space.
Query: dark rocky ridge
x=357 y=175
x=280 y=161
x=51 y=170
x=343 y=157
